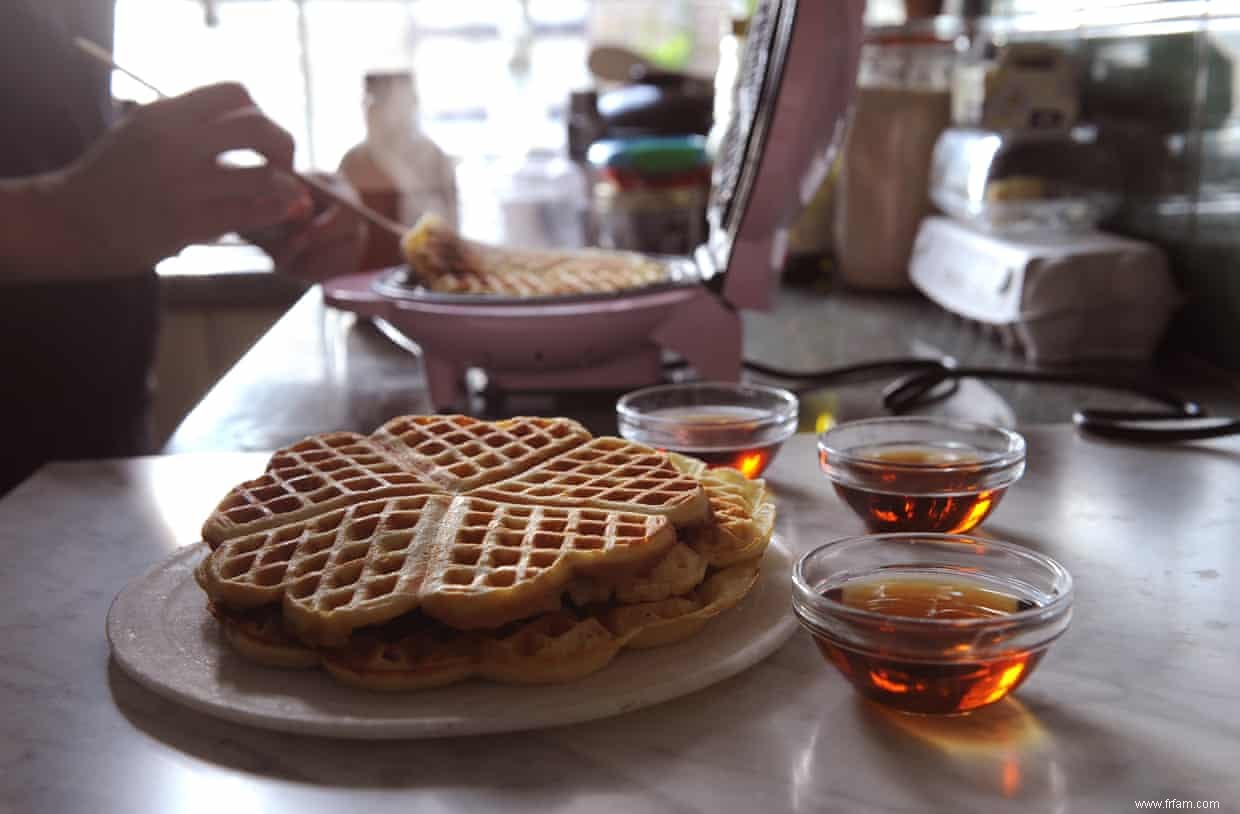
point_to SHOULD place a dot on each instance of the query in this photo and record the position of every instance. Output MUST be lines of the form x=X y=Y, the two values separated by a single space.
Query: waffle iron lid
x=794 y=87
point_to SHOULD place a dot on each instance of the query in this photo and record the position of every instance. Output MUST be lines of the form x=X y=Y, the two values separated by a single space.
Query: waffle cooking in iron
x=448 y=263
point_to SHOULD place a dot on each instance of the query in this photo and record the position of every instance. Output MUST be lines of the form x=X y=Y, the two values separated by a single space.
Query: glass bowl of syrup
x=921 y=474
x=721 y=423
x=933 y=624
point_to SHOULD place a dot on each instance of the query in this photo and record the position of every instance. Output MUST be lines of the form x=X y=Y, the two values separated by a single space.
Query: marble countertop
x=1137 y=701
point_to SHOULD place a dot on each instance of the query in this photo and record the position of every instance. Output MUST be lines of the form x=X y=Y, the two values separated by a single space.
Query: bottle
x=903 y=103
x=397 y=169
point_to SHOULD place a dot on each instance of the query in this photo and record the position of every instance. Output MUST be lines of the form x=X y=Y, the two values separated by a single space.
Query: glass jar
x=903 y=103
x=649 y=193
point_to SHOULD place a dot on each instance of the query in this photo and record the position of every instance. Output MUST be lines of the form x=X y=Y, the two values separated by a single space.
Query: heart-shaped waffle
x=460 y=453
x=465 y=561
x=479 y=529
x=608 y=473
x=316 y=475
x=418 y=455
x=743 y=519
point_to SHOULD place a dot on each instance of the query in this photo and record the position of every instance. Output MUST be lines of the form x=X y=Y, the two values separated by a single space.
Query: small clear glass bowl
x=921 y=474
x=721 y=423
x=997 y=607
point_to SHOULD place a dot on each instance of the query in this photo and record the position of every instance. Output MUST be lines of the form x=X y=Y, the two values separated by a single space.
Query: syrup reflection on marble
x=1002 y=752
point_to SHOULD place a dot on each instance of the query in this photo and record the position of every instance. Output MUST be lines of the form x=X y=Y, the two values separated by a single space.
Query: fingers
x=242 y=199
x=335 y=183
x=246 y=129
x=212 y=120
x=327 y=246
x=159 y=168
x=250 y=185
x=205 y=103
x=337 y=223
x=207 y=219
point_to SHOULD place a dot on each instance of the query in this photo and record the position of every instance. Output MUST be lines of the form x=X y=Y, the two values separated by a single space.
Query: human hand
x=326 y=243
x=154 y=184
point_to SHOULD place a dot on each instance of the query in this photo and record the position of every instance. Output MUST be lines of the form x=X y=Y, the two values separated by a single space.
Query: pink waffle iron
x=795 y=85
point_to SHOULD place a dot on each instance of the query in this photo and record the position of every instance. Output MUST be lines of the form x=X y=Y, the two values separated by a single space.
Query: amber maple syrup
x=710 y=434
x=750 y=462
x=919 y=488
x=949 y=683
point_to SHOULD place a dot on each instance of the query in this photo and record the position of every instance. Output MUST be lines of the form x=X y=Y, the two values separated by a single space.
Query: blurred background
x=493 y=80
x=1034 y=123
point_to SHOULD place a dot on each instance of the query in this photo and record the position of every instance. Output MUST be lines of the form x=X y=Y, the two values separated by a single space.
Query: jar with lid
x=649 y=193
x=903 y=103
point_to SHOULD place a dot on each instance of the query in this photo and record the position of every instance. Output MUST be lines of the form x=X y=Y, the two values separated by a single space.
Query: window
x=491 y=76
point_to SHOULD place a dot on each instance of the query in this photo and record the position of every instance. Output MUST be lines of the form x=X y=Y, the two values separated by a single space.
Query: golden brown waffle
x=465 y=561
x=459 y=453
x=742 y=512
x=451 y=264
x=476 y=526
x=502 y=562
x=678 y=572
x=551 y=648
x=313 y=476
x=259 y=635
x=411 y=653
x=609 y=473
x=655 y=624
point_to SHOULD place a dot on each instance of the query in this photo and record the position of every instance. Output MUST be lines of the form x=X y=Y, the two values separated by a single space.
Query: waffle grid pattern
x=605 y=472
x=316 y=474
x=384 y=524
x=461 y=453
x=467 y=561
x=579 y=276
x=498 y=546
x=450 y=264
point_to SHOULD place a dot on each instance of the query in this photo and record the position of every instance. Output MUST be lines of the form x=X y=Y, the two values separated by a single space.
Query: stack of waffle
x=448 y=263
x=443 y=547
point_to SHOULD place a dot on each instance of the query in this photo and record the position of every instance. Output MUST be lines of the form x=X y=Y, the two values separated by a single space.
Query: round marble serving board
x=162 y=636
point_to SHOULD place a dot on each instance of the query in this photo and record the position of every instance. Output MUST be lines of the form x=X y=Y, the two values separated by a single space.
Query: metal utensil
x=380 y=220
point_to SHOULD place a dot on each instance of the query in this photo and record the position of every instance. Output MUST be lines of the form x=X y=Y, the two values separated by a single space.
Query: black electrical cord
x=1145 y=427
x=905 y=368
x=915 y=391
x=853 y=374
x=922 y=382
